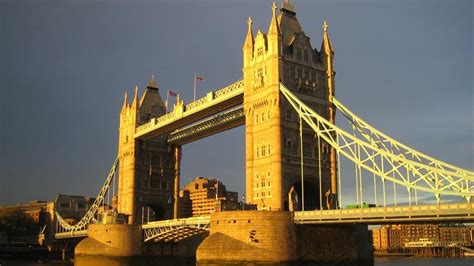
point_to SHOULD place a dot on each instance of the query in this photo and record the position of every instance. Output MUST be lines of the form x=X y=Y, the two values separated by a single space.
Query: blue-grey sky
x=405 y=66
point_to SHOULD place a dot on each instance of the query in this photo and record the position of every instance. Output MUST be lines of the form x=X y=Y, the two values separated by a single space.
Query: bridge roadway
x=184 y=115
x=178 y=229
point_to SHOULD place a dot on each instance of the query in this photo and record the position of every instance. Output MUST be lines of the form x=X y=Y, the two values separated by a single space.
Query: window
x=256 y=118
x=260 y=52
x=263 y=117
x=288 y=147
x=263 y=151
x=298 y=54
x=269 y=152
x=306 y=57
x=300 y=73
x=260 y=72
x=289 y=114
x=313 y=76
x=293 y=71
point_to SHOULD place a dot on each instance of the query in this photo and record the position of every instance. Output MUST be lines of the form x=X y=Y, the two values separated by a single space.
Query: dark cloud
x=404 y=66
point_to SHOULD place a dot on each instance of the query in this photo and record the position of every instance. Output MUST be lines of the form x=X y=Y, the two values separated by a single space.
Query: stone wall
x=255 y=236
x=111 y=240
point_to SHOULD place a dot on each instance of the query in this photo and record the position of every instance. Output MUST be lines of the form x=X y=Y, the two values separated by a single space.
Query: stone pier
x=114 y=240
x=272 y=237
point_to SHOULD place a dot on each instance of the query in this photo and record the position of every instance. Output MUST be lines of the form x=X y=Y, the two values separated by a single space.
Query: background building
x=203 y=196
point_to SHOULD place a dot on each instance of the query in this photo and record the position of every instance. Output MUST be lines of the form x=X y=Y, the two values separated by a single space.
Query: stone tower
x=272 y=135
x=146 y=168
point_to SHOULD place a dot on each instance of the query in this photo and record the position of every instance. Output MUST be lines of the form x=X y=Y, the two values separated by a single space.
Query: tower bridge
x=293 y=149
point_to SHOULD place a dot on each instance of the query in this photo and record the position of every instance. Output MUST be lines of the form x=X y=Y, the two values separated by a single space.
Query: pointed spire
x=135 y=98
x=249 y=37
x=152 y=84
x=274 y=29
x=125 y=100
x=326 y=42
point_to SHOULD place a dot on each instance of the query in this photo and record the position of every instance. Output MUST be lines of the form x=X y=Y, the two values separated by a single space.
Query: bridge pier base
x=114 y=240
x=272 y=237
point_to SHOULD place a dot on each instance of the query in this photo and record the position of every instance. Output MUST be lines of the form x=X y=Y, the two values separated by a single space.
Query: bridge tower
x=272 y=133
x=147 y=169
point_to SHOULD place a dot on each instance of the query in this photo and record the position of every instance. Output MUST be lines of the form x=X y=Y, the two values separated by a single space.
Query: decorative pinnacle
x=274 y=7
x=152 y=77
x=249 y=21
x=325 y=26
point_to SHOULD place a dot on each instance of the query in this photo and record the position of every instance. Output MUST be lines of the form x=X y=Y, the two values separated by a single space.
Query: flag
x=171 y=93
x=200 y=78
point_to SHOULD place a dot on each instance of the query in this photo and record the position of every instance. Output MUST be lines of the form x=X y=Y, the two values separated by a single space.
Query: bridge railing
x=178 y=222
x=390 y=214
x=204 y=102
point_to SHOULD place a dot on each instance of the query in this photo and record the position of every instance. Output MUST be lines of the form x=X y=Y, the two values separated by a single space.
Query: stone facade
x=116 y=240
x=147 y=168
x=272 y=237
x=273 y=147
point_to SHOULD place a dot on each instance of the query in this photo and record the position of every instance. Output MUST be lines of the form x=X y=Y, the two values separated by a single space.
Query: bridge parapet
x=453 y=212
x=215 y=100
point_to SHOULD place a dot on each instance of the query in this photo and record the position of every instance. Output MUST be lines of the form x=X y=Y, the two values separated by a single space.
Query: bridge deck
x=213 y=103
x=454 y=212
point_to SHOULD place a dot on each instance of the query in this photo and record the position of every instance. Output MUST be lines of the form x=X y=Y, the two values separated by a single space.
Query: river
x=101 y=261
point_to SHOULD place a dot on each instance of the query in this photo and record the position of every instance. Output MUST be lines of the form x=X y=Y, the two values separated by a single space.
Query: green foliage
x=15 y=223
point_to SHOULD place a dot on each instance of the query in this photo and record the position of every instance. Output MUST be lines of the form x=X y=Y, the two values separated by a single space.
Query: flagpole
x=194 y=87
x=166 y=104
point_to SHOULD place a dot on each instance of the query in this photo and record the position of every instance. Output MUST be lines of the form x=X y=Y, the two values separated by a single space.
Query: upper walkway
x=185 y=115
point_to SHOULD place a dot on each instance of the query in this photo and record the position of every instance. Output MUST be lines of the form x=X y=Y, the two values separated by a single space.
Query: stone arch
x=311 y=195
x=151 y=213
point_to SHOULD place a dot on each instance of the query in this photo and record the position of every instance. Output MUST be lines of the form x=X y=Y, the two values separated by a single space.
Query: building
x=414 y=232
x=148 y=169
x=458 y=234
x=203 y=196
x=36 y=209
x=285 y=55
x=395 y=237
x=380 y=238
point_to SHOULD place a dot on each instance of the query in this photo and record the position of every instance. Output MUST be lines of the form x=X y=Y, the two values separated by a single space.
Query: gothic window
x=298 y=54
x=269 y=193
x=289 y=113
x=307 y=152
x=313 y=76
x=288 y=147
x=268 y=115
x=300 y=73
x=306 y=74
x=269 y=151
x=256 y=118
x=293 y=72
x=260 y=72
x=263 y=150
x=263 y=117
x=306 y=56
x=260 y=52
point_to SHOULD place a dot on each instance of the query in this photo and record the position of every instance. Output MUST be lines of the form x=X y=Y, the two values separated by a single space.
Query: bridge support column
x=177 y=170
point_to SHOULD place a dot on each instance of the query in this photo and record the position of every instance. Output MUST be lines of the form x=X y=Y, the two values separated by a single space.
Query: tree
x=16 y=223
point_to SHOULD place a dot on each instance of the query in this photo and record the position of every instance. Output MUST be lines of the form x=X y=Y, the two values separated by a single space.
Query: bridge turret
x=248 y=45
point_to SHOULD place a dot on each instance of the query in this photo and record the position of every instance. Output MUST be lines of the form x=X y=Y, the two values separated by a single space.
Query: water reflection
x=129 y=261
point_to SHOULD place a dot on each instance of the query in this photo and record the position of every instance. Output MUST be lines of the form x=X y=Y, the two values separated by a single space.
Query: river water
x=102 y=261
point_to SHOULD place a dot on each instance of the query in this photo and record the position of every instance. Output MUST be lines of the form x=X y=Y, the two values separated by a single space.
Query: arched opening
x=152 y=213
x=311 y=196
